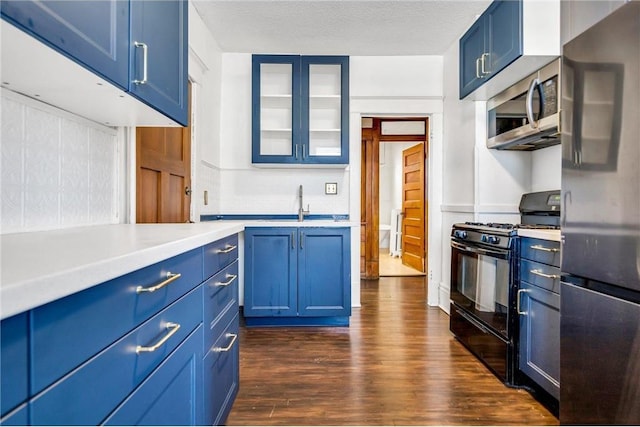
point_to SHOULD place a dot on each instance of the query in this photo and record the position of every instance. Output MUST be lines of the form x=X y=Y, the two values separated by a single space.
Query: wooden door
x=163 y=174
x=413 y=207
x=369 y=204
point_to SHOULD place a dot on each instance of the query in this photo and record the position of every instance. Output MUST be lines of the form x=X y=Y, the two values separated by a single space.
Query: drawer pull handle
x=542 y=248
x=545 y=275
x=172 y=327
x=231 y=278
x=170 y=278
x=226 y=250
x=233 y=337
x=520 y=291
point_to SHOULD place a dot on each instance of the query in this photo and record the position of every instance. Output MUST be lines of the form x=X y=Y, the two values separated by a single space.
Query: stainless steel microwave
x=526 y=116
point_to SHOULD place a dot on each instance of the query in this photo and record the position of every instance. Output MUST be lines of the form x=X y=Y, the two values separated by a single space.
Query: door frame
x=370 y=170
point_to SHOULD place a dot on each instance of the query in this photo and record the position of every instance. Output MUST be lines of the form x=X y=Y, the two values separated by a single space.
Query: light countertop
x=294 y=223
x=40 y=267
x=554 y=235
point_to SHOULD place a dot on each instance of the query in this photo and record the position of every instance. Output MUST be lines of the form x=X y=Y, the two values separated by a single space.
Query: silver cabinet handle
x=293 y=240
x=478 y=68
x=231 y=278
x=233 y=337
x=304 y=151
x=520 y=291
x=170 y=278
x=482 y=70
x=297 y=145
x=301 y=240
x=545 y=275
x=145 y=59
x=172 y=327
x=227 y=249
x=542 y=248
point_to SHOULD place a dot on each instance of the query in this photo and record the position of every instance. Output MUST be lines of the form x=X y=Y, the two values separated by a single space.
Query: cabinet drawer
x=99 y=385
x=71 y=330
x=542 y=275
x=169 y=395
x=545 y=251
x=219 y=254
x=221 y=371
x=13 y=362
x=220 y=302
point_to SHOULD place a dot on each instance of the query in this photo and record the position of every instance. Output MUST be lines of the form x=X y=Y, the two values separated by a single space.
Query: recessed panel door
x=413 y=207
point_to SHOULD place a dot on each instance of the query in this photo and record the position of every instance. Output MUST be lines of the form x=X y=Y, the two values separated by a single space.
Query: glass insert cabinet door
x=300 y=109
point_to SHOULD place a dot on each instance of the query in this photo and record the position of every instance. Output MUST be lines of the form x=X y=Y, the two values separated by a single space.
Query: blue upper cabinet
x=300 y=109
x=494 y=41
x=93 y=33
x=141 y=47
x=158 y=61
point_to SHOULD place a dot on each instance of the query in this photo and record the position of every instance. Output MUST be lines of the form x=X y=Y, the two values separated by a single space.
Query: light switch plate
x=331 y=188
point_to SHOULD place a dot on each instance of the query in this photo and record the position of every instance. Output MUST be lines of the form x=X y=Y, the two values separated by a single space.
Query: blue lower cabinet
x=297 y=276
x=14 y=362
x=169 y=396
x=96 y=387
x=222 y=375
x=67 y=332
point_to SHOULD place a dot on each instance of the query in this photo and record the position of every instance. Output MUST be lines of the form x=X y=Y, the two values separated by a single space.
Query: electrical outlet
x=331 y=188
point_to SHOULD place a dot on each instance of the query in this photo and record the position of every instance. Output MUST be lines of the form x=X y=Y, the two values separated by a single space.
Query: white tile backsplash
x=58 y=170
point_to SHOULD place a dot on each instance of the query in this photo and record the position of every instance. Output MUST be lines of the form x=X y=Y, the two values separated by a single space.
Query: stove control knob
x=484 y=238
x=494 y=240
x=460 y=234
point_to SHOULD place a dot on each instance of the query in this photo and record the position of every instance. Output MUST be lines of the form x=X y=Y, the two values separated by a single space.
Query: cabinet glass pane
x=324 y=110
x=276 y=109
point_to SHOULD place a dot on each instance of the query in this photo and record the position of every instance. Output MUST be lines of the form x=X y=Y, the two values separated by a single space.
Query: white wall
x=58 y=170
x=248 y=189
x=205 y=71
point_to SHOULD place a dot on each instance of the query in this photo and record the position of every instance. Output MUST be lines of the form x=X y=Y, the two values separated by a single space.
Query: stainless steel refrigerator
x=600 y=292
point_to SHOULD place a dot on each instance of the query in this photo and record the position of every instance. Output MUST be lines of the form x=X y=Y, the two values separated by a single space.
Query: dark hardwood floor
x=397 y=364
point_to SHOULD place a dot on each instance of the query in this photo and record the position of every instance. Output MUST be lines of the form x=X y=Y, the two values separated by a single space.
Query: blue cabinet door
x=14 y=350
x=504 y=34
x=92 y=33
x=275 y=115
x=471 y=51
x=490 y=44
x=270 y=271
x=540 y=337
x=171 y=395
x=159 y=56
x=325 y=109
x=324 y=284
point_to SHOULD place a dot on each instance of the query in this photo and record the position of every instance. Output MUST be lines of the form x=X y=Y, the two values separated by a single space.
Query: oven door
x=480 y=284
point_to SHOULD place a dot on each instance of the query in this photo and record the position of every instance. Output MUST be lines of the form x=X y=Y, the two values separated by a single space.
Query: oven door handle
x=473 y=321
x=498 y=253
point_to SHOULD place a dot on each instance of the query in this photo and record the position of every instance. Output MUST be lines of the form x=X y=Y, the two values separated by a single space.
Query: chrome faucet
x=301 y=211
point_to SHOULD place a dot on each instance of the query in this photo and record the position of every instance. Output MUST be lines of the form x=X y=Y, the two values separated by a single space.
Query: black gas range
x=484 y=285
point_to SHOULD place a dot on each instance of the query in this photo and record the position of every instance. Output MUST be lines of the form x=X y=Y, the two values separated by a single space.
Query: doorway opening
x=393 y=197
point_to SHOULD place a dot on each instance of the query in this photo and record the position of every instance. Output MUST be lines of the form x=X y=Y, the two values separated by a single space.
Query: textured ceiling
x=401 y=27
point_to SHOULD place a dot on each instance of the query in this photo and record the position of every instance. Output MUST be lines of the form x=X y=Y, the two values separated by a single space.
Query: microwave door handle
x=529 y=105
